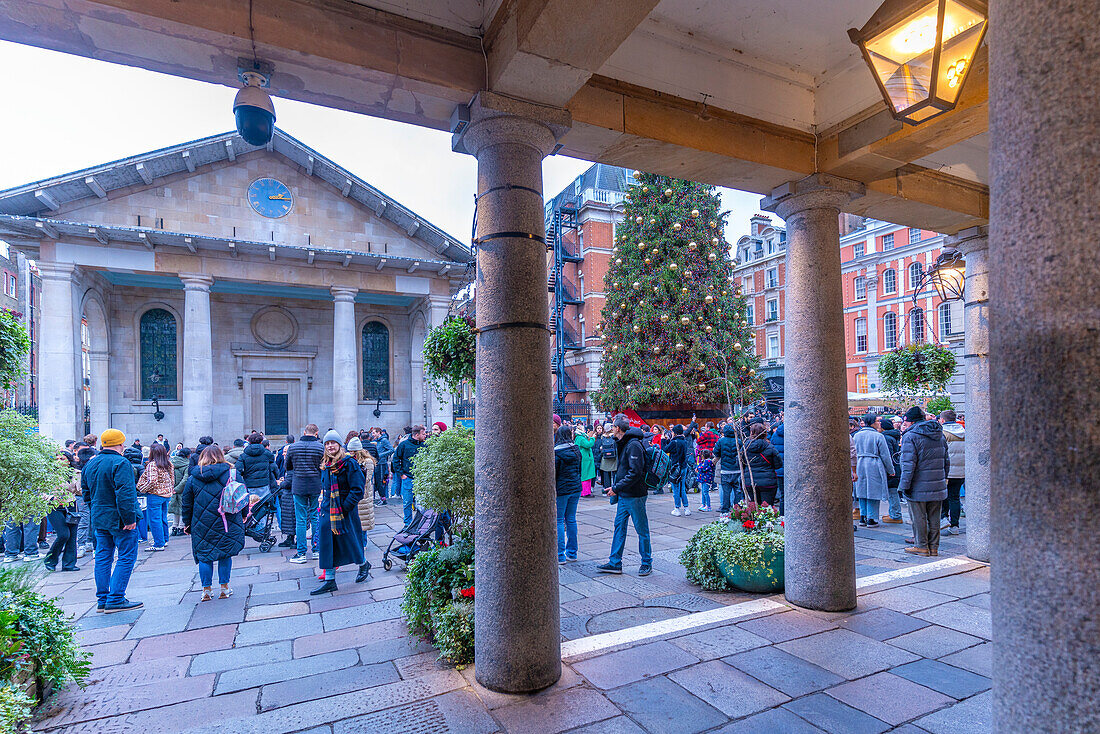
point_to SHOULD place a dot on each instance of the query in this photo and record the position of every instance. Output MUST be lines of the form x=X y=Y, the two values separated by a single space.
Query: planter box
x=766 y=578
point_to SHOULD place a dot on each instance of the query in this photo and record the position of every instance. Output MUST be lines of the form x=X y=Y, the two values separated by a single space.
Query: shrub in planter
x=444 y=469
x=437 y=581
x=745 y=552
x=449 y=354
x=454 y=631
x=916 y=369
x=31 y=477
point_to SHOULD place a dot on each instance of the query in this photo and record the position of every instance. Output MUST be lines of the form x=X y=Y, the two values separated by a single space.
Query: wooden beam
x=145 y=239
x=230 y=151
x=309 y=165
x=48 y=229
x=145 y=173
x=95 y=186
x=99 y=235
x=413 y=227
x=232 y=249
x=48 y=199
x=347 y=259
x=188 y=160
x=413 y=267
x=189 y=244
x=271 y=253
x=381 y=264
x=310 y=256
x=346 y=190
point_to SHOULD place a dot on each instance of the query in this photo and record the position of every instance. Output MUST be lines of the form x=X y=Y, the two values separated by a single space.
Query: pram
x=417 y=536
x=258 y=520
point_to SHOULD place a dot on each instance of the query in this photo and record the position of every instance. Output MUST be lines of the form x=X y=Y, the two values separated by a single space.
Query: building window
x=916 y=272
x=890 y=330
x=771 y=247
x=860 y=249
x=947 y=320
x=916 y=326
x=773 y=277
x=861 y=334
x=376 y=361
x=888 y=241
x=861 y=383
x=748 y=285
x=157 y=330
x=890 y=281
x=914 y=236
x=749 y=314
x=861 y=287
x=10 y=285
x=773 y=346
x=773 y=309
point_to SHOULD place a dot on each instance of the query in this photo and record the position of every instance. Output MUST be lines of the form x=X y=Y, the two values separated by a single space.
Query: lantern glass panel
x=902 y=56
x=962 y=33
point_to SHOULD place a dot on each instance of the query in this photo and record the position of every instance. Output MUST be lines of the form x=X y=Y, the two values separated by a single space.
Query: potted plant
x=745 y=552
x=450 y=351
x=438 y=600
x=916 y=369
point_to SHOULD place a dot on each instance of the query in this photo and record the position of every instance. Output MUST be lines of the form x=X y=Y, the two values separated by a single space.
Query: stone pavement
x=913 y=657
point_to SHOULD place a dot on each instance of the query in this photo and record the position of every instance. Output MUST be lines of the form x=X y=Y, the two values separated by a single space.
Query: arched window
x=158 y=354
x=916 y=326
x=890 y=281
x=916 y=272
x=376 y=361
x=890 y=330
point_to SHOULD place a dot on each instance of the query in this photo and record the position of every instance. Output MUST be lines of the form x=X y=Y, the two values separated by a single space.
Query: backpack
x=658 y=467
x=234 y=498
x=609 y=450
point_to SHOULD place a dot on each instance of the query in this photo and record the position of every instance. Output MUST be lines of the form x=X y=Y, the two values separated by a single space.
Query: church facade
x=214 y=287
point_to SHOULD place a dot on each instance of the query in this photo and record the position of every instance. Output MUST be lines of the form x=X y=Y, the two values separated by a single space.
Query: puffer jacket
x=630 y=474
x=777 y=442
x=366 y=505
x=893 y=440
x=180 y=471
x=256 y=467
x=210 y=540
x=763 y=463
x=303 y=458
x=726 y=451
x=924 y=463
x=955 y=435
x=567 y=469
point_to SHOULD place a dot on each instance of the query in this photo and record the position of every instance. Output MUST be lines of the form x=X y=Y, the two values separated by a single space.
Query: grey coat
x=924 y=463
x=873 y=464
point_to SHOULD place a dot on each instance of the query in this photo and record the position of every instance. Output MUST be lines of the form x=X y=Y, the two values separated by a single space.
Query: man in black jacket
x=403 y=470
x=303 y=458
x=678 y=451
x=629 y=492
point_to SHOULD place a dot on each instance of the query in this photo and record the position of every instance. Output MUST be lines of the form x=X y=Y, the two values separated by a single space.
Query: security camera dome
x=255 y=115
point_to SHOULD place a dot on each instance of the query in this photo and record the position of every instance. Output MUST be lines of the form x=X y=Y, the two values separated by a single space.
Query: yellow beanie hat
x=112 y=437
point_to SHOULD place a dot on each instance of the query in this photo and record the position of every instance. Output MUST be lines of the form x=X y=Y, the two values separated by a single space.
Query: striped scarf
x=335 y=516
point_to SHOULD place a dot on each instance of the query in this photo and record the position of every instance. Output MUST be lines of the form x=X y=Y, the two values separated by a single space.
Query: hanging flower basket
x=916 y=369
x=449 y=354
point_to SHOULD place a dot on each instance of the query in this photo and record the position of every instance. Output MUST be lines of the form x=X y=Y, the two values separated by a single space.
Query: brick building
x=19 y=291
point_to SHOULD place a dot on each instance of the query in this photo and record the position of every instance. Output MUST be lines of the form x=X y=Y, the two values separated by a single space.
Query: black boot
x=324 y=588
x=364 y=573
x=288 y=543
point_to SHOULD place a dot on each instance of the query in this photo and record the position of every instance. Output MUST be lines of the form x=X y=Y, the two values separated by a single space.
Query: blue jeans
x=680 y=491
x=206 y=571
x=868 y=509
x=23 y=536
x=305 y=515
x=567 y=526
x=894 y=503
x=408 y=499
x=156 y=516
x=634 y=509
x=64 y=544
x=731 y=492
x=704 y=492
x=110 y=584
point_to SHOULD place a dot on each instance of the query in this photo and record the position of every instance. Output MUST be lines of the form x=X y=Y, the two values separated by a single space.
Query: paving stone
x=829 y=714
x=386 y=650
x=640 y=588
x=255 y=676
x=934 y=641
x=959 y=585
x=72 y=706
x=719 y=642
x=343 y=600
x=946 y=679
x=414 y=666
x=774 y=721
x=891 y=698
x=274 y=611
x=905 y=599
x=241 y=657
x=568 y=576
x=184 y=643
x=687 y=602
x=978 y=600
x=626 y=666
x=977 y=659
x=170 y=719
x=660 y=705
x=98 y=621
x=136 y=674
x=218 y=612
x=972 y=716
x=284 y=628
x=110 y=653
x=351 y=637
x=282 y=597
x=556 y=713
x=299 y=689
x=339 y=619
x=846 y=653
x=618 y=725
x=574 y=627
x=728 y=689
x=458 y=711
x=881 y=624
x=161 y=622
x=785 y=672
x=600 y=603
x=566 y=594
x=620 y=619
x=390 y=592
x=494 y=699
x=962 y=617
x=786 y=626
x=101 y=635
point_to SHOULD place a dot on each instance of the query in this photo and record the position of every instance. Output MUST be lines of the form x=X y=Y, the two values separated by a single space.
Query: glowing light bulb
x=917 y=37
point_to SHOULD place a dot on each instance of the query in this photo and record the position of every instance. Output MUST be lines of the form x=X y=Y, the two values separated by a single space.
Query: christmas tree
x=674 y=328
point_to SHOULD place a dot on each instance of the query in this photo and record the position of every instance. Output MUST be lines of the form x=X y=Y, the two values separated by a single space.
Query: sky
x=67 y=112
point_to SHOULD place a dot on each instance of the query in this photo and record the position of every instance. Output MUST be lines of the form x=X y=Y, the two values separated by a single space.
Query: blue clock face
x=270 y=197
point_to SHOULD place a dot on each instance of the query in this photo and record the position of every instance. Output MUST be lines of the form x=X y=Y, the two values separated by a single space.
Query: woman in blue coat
x=341 y=535
x=212 y=538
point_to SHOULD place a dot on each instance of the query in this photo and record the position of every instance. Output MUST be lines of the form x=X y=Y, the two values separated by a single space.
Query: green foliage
x=938 y=405
x=747 y=549
x=32 y=478
x=14 y=345
x=449 y=354
x=431 y=580
x=454 y=632
x=444 y=468
x=43 y=633
x=15 y=708
x=915 y=369
x=698 y=557
x=650 y=355
x=740 y=542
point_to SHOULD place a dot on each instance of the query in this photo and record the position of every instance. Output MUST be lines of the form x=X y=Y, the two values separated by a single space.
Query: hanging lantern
x=920 y=53
x=948 y=275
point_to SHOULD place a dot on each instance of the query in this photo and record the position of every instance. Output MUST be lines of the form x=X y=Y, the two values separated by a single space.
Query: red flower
x=781 y=523
x=466 y=593
x=748 y=524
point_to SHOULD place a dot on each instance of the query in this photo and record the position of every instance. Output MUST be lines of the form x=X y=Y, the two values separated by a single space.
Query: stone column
x=58 y=399
x=1044 y=364
x=198 y=360
x=820 y=547
x=345 y=376
x=101 y=393
x=973 y=243
x=517 y=639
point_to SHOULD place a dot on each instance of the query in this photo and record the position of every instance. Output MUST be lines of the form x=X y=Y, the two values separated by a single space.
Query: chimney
x=758 y=222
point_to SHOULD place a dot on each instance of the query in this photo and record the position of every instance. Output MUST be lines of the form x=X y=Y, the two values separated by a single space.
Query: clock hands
x=279 y=197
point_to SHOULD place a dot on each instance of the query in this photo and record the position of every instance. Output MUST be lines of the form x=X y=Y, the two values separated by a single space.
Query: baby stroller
x=417 y=536
x=258 y=520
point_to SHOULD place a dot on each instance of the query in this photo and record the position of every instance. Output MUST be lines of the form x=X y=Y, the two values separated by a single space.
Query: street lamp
x=920 y=53
x=948 y=275
x=158 y=414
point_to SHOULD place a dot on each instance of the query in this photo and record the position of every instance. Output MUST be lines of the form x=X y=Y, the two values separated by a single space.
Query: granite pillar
x=973 y=243
x=517 y=637
x=345 y=378
x=58 y=399
x=101 y=394
x=198 y=361
x=820 y=549
x=1044 y=364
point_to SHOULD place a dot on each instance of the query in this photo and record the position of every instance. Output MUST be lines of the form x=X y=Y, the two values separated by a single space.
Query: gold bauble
x=638 y=220
x=637 y=174
x=676 y=227
x=626 y=197
x=655 y=289
x=629 y=387
x=619 y=261
x=743 y=368
x=709 y=298
x=617 y=285
x=668 y=192
x=701 y=386
x=752 y=373
x=738 y=291
x=695 y=213
x=637 y=286
x=725 y=292
x=688 y=274
x=684 y=291
x=699 y=318
x=702 y=367
x=645 y=189
x=655 y=251
x=641 y=246
x=685 y=320
x=744 y=323
x=641 y=303
x=708 y=329
x=737 y=346
x=618 y=373
x=652 y=220
x=672 y=266
x=692 y=246
x=713 y=225
x=712 y=257
x=636 y=328
x=710 y=286
x=664 y=318
x=679 y=346
x=648 y=261
x=719 y=312
x=656 y=350
x=614 y=347
x=714 y=241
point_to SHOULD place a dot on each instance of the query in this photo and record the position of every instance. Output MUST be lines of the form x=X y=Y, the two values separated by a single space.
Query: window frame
x=887 y=242
x=768 y=281
x=914 y=283
x=890 y=331
x=750 y=314
x=768 y=309
x=914 y=240
x=946 y=320
x=916 y=316
x=387 y=361
x=768 y=346
x=861 y=322
x=862 y=383
x=892 y=274
x=859 y=249
x=161 y=390
x=859 y=284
